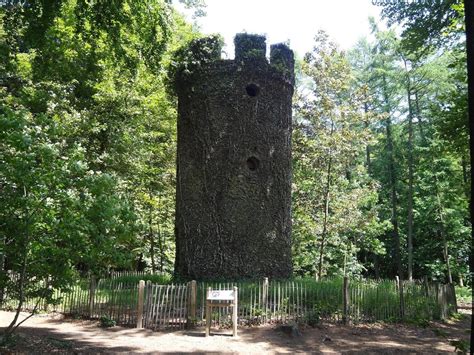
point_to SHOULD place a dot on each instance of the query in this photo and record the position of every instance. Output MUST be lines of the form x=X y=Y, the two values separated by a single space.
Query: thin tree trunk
x=376 y=266
x=161 y=239
x=367 y=148
x=152 y=239
x=469 y=21
x=21 y=282
x=465 y=176
x=3 y=275
x=392 y=179
x=442 y=234
x=420 y=123
x=464 y=170
x=326 y=212
x=325 y=219
x=410 y=176
x=446 y=255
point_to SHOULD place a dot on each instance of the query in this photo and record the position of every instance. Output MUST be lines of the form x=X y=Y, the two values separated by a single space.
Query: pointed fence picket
x=165 y=306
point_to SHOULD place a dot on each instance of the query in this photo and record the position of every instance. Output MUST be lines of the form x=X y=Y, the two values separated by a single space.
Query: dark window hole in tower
x=252 y=90
x=253 y=163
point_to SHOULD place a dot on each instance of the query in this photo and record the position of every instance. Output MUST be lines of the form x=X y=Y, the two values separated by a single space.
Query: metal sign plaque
x=220 y=295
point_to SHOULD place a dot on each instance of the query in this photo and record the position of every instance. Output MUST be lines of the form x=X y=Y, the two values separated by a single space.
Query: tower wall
x=233 y=203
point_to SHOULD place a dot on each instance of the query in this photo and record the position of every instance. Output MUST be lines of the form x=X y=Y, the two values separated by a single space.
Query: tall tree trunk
x=469 y=21
x=369 y=171
x=392 y=179
x=410 y=175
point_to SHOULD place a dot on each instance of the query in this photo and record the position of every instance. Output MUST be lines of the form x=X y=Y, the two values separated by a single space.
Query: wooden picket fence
x=156 y=306
x=165 y=306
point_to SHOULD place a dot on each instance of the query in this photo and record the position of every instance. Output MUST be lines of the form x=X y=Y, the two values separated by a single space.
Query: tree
x=84 y=116
x=335 y=213
x=440 y=25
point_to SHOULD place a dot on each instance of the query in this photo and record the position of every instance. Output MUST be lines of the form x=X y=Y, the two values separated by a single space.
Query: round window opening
x=253 y=163
x=252 y=90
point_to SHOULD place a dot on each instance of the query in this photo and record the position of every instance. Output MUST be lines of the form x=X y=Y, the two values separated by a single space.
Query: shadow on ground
x=46 y=334
x=32 y=340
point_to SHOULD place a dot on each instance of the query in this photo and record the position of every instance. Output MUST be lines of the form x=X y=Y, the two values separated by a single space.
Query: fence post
x=192 y=289
x=265 y=296
x=345 y=310
x=400 y=291
x=146 y=304
x=235 y=310
x=141 y=293
x=426 y=284
x=454 y=299
x=438 y=303
x=208 y=313
x=92 y=286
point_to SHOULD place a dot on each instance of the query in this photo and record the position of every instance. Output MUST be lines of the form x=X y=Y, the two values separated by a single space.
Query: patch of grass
x=419 y=322
x=463 y=294
x=457 y=316
x=60 y=344
x=8 y=342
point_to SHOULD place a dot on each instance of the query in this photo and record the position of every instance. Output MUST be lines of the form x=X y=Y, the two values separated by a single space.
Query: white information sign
x=220 y=295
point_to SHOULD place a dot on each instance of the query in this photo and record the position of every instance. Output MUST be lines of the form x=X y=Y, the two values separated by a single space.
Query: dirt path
x=46 y=333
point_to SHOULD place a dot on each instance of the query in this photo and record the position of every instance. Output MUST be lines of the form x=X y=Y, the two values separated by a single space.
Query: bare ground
x=54 y=334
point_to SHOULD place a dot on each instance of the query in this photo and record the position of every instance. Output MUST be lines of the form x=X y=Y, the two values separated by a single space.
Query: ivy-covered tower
x=233 y=189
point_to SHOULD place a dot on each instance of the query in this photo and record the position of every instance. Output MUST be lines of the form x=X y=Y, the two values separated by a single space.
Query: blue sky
x=296 y=21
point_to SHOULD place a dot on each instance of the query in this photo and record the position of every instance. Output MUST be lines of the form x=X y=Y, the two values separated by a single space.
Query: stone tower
x=233 y=193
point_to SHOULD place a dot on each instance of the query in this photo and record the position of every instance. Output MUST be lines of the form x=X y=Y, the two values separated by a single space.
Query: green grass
x=463 y=294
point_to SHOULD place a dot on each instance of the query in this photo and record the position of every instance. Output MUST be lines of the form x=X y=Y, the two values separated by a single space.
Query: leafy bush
x=106 y=322
x=313 y=317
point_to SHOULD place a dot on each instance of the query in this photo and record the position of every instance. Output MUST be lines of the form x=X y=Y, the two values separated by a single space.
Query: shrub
x=106 y=322
x=313 y=317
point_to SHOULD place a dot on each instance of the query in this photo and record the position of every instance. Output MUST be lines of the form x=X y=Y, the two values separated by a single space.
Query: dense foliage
x=87 y=139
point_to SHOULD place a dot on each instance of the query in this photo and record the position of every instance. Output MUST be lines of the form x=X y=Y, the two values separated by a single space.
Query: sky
x=296 y=21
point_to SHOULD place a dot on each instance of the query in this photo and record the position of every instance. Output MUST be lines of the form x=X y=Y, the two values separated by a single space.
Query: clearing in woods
x=53 y=333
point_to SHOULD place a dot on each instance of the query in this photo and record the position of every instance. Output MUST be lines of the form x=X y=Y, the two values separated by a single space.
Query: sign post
x=222 y=298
